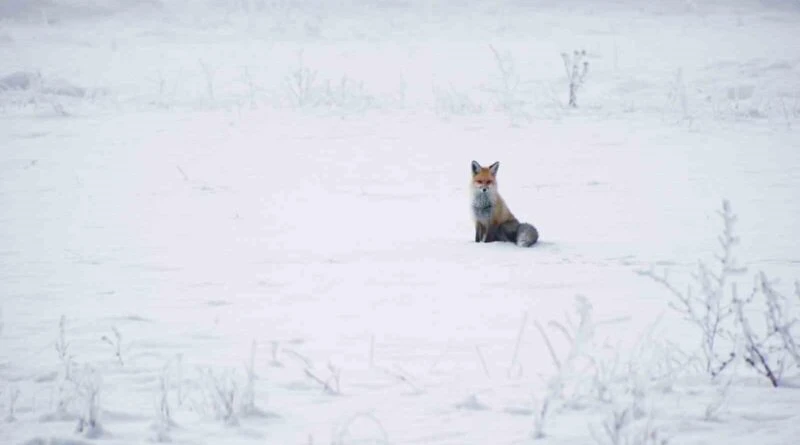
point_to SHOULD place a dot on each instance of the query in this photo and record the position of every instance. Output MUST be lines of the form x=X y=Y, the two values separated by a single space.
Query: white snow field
x=248 y=222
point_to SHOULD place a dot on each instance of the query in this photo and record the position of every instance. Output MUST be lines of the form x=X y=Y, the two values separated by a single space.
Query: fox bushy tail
x=527 y=235
x=522 y=234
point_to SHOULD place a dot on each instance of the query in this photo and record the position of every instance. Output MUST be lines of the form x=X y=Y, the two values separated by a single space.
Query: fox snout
x=487 y=191
x=482 y=188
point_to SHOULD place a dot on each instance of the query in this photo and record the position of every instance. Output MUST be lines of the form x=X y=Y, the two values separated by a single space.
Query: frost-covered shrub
x=511 y=95
x=304 y=87
x=564 y=387
x=576 y=67
x=771 y=347
x=728 y=328
x=708 y=302
x=88 y=384
x=452 y=102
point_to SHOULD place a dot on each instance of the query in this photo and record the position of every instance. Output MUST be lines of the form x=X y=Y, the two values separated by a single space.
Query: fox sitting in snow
x=493 y=220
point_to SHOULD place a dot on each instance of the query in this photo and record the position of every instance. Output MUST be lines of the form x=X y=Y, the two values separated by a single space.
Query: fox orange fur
x=493 y=219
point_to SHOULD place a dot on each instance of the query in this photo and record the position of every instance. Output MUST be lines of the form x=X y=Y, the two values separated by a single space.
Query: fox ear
x=493 y=168
x=475 y=168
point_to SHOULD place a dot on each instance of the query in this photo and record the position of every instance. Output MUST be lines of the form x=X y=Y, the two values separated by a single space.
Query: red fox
x=493 y=220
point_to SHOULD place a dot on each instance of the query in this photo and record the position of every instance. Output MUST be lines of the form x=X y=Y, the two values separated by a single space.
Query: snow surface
x=158 y=177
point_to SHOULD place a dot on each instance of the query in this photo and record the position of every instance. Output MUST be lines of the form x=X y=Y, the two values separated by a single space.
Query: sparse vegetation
x=301 y=85
x=511 y=94
x=450 y=101
x=576 y=67
x=772 y=349
x=563 y=386
x=62 y=348
x=222 y=394
x=248 y=403
x=208 y=75
x=344 y=433
x=116 y=344
x=678 y=97
x=708 y=303
x=13 y=396
x=386 y=327
x=65 y=381
x=164 y=420
x=169 y=381
x=713 y=305
x=329 y=384
x=88 y=385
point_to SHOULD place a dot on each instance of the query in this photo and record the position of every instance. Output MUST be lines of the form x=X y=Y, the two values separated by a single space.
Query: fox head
x=484 y=180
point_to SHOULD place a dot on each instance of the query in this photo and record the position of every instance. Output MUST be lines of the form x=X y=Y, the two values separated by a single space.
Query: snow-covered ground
x=205 y=192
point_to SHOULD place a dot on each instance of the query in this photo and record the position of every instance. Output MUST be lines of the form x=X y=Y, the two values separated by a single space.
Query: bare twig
x=248 y=400
x=576 y=68
x=372 y=350
x=116 y=344
x=222 y=394
x=539 y=417
x=13 y=396
x=209 y=76
x=183 y=173
x=402 y=376
x=579 y=336
x=482 y=360
x=163 y=409
x=305 y=360
x=767 y=351
x=779 y=322
x=515 y=366
x=549 y=345
x=343 y=431
x=89 y=387
x=328 y=386
x=301 y=84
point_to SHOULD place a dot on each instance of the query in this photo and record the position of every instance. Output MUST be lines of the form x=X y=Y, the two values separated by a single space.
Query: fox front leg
x=479 y=233
x=484 y=234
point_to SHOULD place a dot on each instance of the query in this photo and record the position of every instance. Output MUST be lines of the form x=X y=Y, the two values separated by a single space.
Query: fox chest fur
x=482 y=208
x=488 y=210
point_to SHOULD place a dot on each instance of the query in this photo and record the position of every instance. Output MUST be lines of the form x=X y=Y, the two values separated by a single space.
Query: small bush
x=576 y=68
x=764 y=339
